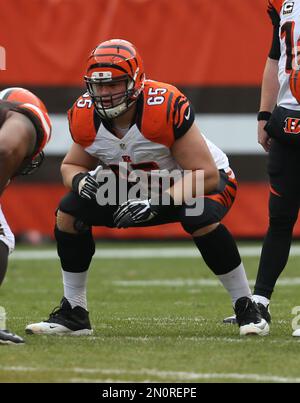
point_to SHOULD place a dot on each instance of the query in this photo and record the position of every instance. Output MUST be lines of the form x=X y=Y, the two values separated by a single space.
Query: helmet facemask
x=110 y=104
x=29 y=165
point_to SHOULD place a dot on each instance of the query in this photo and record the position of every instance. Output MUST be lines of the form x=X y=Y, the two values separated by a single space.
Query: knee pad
x=70 y=224
x=193 y=223
x=80 y=226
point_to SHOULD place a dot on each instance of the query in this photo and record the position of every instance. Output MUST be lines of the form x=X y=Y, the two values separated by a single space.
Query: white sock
x=236 y=283
x=262 y=300
x=75 y=288
x=2 y=318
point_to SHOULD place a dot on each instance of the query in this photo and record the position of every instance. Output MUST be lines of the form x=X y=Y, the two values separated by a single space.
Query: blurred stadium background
x=214 y=51
x=155 y=308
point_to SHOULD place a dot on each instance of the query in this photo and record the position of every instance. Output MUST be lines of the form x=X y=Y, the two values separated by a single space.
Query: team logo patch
x=292 y=126
x=102 y=74
x=288 y=7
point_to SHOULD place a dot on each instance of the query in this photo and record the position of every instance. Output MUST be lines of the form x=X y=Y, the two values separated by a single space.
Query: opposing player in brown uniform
x=149 y=125
x=25 y=129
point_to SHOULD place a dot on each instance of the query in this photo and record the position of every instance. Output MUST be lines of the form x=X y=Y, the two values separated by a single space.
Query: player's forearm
x=9 y=163
x=3 y=180
x=270 y=86
x=194 y=184
x=68 y=172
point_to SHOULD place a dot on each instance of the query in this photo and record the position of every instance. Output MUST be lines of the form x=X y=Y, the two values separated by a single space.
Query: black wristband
x=263 y=115
x=76 y=179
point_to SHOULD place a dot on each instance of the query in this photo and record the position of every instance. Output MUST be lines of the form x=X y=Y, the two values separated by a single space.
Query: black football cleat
x=6 y=337
x=249 y=318
x=64 y=320
x=264 y=310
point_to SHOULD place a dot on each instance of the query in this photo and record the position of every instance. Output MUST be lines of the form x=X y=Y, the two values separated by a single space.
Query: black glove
x=133 y=212
x=137 y=211
x=86 y=185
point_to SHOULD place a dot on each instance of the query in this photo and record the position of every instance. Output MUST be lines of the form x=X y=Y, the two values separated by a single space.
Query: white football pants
x=6 y=235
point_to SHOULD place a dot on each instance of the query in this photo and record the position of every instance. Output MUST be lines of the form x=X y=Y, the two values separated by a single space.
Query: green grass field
x=154 y=319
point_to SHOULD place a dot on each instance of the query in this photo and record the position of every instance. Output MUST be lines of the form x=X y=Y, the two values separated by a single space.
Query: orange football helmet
x=23 y=96
x=110 y=63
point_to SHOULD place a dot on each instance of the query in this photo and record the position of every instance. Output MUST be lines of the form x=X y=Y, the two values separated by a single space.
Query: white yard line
x=164 y=338
x=132 y=253
x=173 y=375
x=162 y=253
x=293 y=281
x=104 y=380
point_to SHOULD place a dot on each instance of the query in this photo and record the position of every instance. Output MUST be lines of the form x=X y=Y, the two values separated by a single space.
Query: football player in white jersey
x=25 y=129
x=149 y=125
x=279 y=135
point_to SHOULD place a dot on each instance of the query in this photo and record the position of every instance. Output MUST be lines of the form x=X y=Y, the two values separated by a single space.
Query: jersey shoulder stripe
x=275 y=5
x=42 y=116
x=81 y=121
x=42 y=124
x=166 y=114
